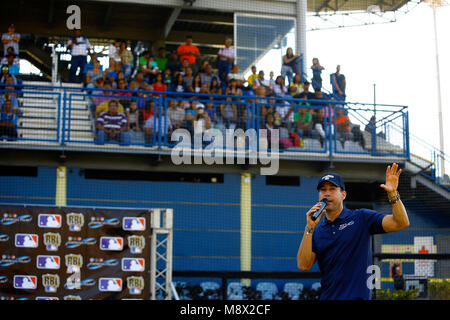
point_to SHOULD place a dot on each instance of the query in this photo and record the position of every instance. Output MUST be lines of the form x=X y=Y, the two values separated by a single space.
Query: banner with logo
x=53 y=253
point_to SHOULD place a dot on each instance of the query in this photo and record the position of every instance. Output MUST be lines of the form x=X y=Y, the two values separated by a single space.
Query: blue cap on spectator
x=332 y=178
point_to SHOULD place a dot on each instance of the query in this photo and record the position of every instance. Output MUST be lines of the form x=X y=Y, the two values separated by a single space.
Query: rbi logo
x=73 y=262
x=135 y=284
x=52 y=241
x=75 y=221
x=136 y=244
x=50 y=282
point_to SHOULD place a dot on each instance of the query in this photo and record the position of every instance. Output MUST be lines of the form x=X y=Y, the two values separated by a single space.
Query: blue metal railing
x=250 y=104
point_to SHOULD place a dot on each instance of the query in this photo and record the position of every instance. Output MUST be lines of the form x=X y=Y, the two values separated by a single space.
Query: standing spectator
x=11 y=39
x=161 y=59
x=190 y=52
x=80 y=48
x=338 y=83
x=8 y=121
x=126 y=58
x=173 y=63
x=290 y=65
x=207 y=76
x=226 y=58
x=317 y=71
x=112 y=125
x=114 y=52
x=252 y=77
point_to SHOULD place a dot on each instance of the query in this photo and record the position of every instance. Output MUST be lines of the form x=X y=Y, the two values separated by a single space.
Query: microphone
x=316 y=214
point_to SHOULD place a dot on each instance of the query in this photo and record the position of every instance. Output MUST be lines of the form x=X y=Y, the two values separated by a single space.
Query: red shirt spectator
x=159 y=85
x=188 y=51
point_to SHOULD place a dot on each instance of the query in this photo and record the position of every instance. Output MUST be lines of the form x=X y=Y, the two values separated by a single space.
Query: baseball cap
x=332 y=178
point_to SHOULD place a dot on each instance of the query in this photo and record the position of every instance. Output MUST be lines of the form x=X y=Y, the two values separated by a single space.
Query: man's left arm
x=398 y=220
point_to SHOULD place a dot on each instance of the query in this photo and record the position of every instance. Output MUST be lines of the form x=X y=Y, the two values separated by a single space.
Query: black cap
x=332 y=178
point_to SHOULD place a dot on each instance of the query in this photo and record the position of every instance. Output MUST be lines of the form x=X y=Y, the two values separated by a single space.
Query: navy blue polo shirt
x=343 y=251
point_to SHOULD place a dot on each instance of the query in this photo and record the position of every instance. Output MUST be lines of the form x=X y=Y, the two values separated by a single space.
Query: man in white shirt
x=11 y=40
x=80 y=48
x=226 y=57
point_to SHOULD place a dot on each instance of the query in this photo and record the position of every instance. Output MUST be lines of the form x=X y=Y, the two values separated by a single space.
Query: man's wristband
x=394 y=200
x=309 y=230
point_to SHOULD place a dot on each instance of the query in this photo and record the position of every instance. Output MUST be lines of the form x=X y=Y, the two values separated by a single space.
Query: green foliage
x=387 y=294
x=439 y=291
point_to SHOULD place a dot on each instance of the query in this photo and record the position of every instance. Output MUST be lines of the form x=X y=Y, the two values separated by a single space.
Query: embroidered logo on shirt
x=343 y=226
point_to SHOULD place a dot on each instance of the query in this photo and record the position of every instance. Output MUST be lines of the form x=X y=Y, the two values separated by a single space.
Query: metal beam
x=107 y=17
x=171 y=21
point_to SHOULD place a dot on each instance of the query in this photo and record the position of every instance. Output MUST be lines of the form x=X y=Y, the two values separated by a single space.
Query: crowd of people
x=182 y=71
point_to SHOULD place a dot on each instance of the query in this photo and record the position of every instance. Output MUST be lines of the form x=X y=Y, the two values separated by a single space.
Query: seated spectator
x=173 y=63
x=148 y=110
x=139 y=82
x=143 y=63
x=176 y=114
x=207 y=76
x=112 y=125
x=271 y=80
x=167 y=77
x=261 y=81
x=196 y=84
x=90 y=65
x=269 y=125
x=184 y=66
x=296 y=86
x=233 y=89
x=290 y=65
x=126 y=58
x=234 y=74
x=11 y=39
x=103 y=105
x=94 y=74
x=8 y=121
x=228 y=113
x=161 y=59
x=211 y=111
x=122 y=85
x=318 y=123
x=190 y=52
x=304 y=122
x=133 y=116
x=343 y=126
x=113 y=75
x=310 y=95
x=159 y=85
x=252 y=77
x=188 y=78
x=225 y=59
x=142 y=98
x=10 y=96
x=12 y=61
x=102 y=95
x=152 y=126
x=279 y=88
x=215 y=87
x=5 y=75
x=201 y=121
x=204 y=88
x=178 y=85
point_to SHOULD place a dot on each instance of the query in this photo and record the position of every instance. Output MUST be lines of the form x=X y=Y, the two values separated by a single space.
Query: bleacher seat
x=312 y=144
x=316 y=286
x=293 y=289
x=213 y=286
x=353 y=146
x=268 y=290
x=235 y=291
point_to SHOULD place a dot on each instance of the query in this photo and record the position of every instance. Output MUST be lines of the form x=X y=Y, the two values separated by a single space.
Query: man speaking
x=341 y=243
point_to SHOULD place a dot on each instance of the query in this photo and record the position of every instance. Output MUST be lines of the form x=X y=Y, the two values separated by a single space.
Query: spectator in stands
x=8 y=121
x=173 y=63
x=6 y=77
x=159 y=85
x=318 y=123
x=176 y=114
x=290 y=65
x=133 y=116
x=122 y=85
x=212 y=112
x=196 y=84
x=152 y=128
x=215 y=87
x=338 y=84
x=126 y=58
x=94 y=74
x=279 y=88
x=207 y=76
x=179 y=85
x=310 y=95
x=161 y=59
x=317 y=71
x=343 y=126
x=143 y=63
x=12 y=61
x=11 y=97
x=190 y=52
x=261 y=81
x=148 y=110
x=103 y=102
x=296 y=86
x=225 y=59
x=114 y=52
x=139 y=82
x=304 y=122
x=236 y=75
x=252 y=77
x=141 y=98
x=371 y=124
x=11 y=39
x=228 y=112
x=269 y=125
x=167 y=77
x=80 y=48
x=112 y=125
x=233 y=89
x=188 y=78
x=271 y=80
x=90 y=65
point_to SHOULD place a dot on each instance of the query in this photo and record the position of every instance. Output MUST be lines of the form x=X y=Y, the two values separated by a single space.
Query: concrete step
x=51 y=134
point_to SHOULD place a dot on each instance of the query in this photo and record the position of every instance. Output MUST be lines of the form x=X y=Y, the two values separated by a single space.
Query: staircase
x=39 y=119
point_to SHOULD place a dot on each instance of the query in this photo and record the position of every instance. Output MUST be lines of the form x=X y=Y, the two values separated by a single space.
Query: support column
x=300 y=12
x=246 y=224
x=61 y=186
